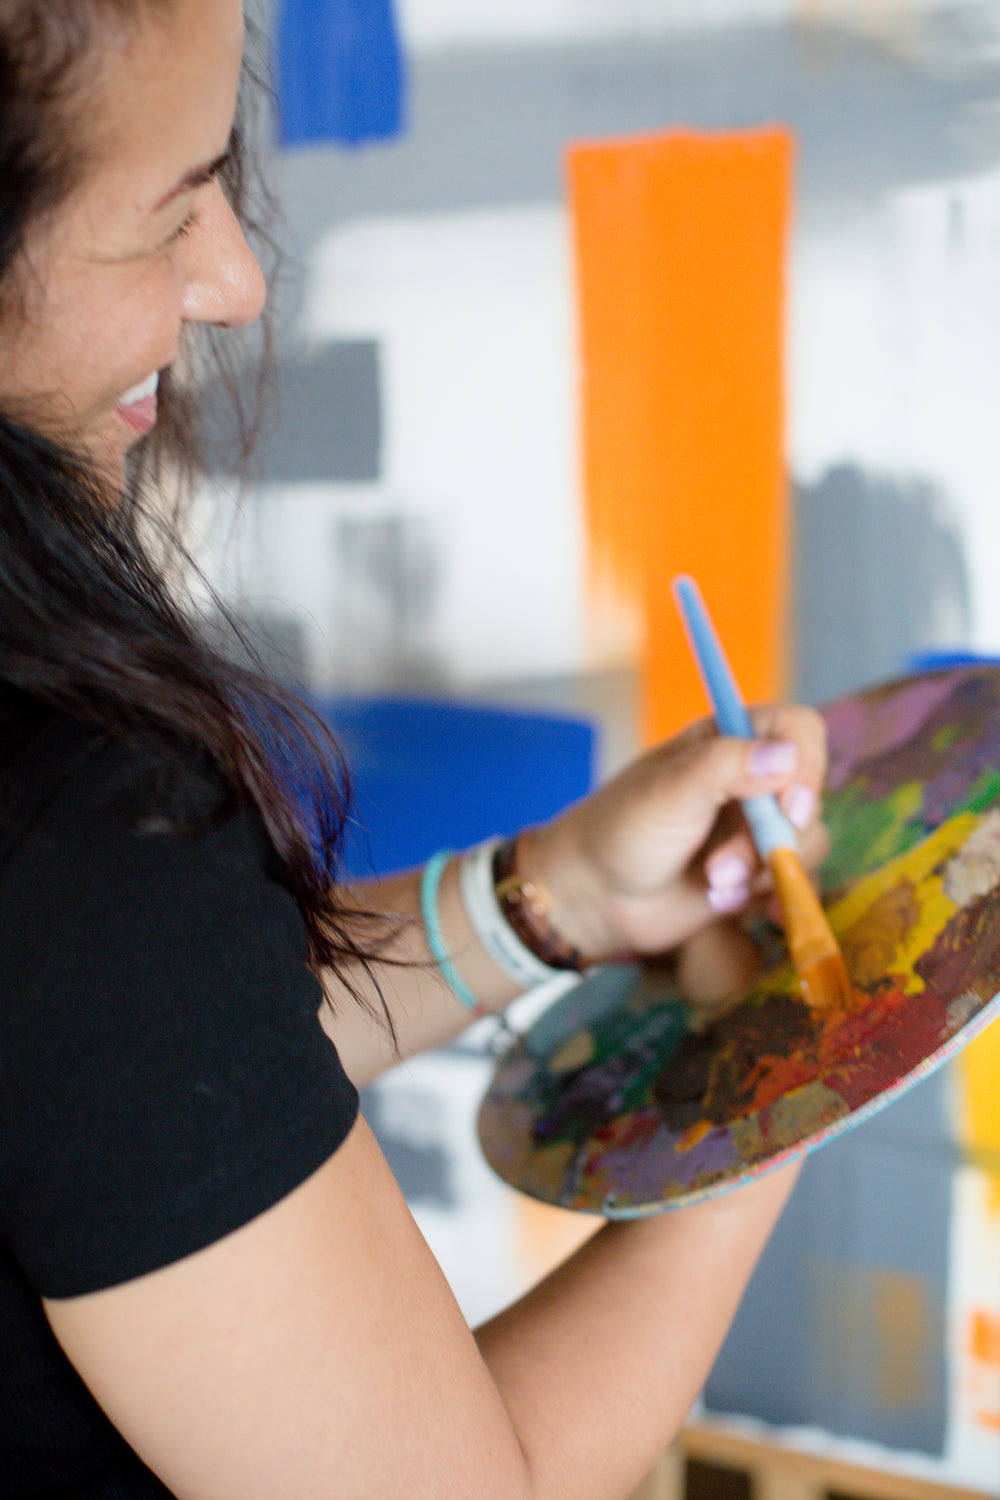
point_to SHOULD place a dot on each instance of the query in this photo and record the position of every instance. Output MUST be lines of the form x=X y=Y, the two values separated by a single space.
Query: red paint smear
x=884 y=1048
x=856 y=1053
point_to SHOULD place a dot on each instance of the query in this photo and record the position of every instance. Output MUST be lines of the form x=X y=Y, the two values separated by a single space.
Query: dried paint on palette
x=641 y=1100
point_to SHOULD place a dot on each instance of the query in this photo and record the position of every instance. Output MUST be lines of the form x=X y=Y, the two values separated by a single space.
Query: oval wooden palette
x=623 y=1099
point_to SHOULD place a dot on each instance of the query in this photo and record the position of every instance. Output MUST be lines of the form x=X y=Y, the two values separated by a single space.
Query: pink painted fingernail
x=722 y=901
x=801 y=805
x=728 y=872
x=772 y=758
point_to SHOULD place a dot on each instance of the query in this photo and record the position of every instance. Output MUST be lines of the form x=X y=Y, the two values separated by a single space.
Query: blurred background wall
x=419 y=508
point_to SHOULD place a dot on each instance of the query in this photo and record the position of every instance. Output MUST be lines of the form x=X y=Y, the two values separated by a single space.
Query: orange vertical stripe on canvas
x=680 y=244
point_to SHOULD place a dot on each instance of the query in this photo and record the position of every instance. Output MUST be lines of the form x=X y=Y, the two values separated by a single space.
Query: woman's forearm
x=599 y=1364
x=424 y=1010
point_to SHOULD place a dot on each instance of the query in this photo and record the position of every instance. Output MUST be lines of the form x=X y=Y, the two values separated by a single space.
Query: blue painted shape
x=938 y=661
x=430 y=774
x=340 y=71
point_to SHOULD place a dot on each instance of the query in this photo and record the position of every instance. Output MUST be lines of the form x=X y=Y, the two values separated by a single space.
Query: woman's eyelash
x=183 y=228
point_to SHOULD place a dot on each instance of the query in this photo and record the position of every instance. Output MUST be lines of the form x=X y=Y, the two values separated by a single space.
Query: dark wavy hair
x=88 y=623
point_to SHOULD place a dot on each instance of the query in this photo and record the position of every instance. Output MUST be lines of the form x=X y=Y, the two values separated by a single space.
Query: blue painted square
x=430 y=774
x=340 y=71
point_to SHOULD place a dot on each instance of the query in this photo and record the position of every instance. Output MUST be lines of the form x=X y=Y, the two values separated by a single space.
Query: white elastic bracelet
x=491 y=927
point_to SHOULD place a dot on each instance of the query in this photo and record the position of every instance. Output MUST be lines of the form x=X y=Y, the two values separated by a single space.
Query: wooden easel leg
x=666 y=1481
x=782 y=1481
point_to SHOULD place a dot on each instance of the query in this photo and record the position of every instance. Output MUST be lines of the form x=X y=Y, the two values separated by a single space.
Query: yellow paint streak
x=857 y=918
x=919 y=870
x=979 y=1070
x=905 y=803
x=694 y=1134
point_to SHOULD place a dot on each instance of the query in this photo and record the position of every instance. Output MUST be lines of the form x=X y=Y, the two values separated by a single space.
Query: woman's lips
x=140 y=415
x=137 y=408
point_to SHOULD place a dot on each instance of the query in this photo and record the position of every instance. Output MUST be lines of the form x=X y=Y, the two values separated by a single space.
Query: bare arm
x=424 y=1011
x=318 y=1352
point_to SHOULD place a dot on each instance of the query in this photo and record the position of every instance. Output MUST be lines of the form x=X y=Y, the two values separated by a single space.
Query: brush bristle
x=815 y=955
x=827 y=985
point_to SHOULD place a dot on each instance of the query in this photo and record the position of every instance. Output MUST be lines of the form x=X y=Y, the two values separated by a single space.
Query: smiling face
x=145 y=244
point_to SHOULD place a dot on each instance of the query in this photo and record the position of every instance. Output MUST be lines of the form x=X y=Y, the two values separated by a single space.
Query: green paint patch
x=879 y=829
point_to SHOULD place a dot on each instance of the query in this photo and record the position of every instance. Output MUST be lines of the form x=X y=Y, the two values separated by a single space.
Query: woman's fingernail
x=728 y=872
x=726 y=900
x=772 y=758
x=728 y=883
x=801 y=805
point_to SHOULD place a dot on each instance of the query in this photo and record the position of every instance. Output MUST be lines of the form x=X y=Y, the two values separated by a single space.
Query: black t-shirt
x=163 y=1074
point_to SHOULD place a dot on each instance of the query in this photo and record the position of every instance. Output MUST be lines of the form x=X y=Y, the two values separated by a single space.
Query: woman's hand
x=639 y=867
x=662 y=848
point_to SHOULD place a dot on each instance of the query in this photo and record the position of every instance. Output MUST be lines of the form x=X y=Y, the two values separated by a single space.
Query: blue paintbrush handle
x=768 y=824
x=730 y=714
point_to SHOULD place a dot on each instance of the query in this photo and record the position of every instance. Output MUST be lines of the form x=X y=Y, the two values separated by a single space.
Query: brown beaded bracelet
x=525 y=909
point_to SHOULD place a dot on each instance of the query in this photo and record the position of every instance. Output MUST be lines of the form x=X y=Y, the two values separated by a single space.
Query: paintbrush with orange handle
x=818 y=960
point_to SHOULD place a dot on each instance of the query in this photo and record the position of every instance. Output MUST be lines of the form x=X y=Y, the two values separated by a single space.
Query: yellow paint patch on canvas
x=979 y=1071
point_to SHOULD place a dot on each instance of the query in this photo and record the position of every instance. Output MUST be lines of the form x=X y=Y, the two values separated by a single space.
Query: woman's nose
x=223 y=282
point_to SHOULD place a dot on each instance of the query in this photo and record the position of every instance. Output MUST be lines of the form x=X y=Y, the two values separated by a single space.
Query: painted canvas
x=625 y=1099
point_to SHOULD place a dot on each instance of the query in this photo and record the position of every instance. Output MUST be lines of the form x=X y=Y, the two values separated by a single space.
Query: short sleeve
x=164 y=1074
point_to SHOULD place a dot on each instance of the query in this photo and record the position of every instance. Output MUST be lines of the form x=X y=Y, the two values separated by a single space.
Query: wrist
x=564 y=896
x=526 y=906
x=511 y=947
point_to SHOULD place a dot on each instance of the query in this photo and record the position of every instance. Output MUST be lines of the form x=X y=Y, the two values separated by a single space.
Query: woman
x=210 y=1285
